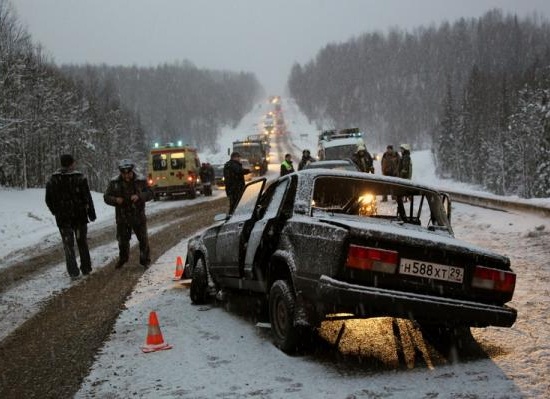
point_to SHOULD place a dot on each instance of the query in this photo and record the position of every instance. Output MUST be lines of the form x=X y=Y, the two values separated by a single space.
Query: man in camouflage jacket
x=128 y=193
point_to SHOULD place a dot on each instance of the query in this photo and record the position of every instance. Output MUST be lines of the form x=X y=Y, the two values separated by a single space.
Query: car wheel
x=282 y=304
x=199 y=283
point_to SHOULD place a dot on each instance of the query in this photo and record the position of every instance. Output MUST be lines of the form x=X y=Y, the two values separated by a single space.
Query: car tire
x=282 y=305
x=199 y=283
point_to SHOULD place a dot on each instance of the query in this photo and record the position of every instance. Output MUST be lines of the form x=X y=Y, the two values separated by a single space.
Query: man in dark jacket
x=233 y=175
x=306 y=159
x=390 y=164
x=69 y=200
x=128 y=193
x=405 y=162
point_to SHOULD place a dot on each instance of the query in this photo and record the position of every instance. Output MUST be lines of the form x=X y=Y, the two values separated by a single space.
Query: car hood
x=408 y=234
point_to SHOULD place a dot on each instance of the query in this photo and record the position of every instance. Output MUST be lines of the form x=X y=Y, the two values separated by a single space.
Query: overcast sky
x=264 y=37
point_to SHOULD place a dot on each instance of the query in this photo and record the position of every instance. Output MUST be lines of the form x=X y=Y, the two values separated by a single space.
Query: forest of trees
x=178 y=101
x=101 y=114
x=475 y=91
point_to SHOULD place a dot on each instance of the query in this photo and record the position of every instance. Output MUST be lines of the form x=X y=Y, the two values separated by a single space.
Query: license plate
x=431 y=270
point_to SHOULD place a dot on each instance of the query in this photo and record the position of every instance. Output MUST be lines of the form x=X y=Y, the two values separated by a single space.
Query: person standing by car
x=405 y=162
x=306 y=159
x=69 y=199
x=233 y=175
x=128 y=192
x=287 y=166
x=390 y=164
x=206 y=173
x=363 y=159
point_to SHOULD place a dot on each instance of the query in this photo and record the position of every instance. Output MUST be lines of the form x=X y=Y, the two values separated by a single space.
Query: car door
x=229 y=241
x=266 y=228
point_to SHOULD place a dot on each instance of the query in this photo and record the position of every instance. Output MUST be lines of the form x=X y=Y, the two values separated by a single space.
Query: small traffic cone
x=155 y=341
x=179 y=269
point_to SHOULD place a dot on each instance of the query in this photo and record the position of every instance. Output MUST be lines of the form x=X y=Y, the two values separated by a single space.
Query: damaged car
x=322 y=243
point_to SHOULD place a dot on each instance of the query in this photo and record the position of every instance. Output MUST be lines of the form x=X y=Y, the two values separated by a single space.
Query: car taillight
x=378 y=260
x=189 y=178
x=494 y=279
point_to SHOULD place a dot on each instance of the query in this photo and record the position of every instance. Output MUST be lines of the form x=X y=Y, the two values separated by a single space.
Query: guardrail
x=498 y=203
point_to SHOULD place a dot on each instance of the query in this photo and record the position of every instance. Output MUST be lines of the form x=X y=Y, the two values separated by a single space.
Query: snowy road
x=222 y=353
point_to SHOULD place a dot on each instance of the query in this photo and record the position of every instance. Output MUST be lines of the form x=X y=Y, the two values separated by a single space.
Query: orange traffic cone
x=155 y=341
x=179 y=269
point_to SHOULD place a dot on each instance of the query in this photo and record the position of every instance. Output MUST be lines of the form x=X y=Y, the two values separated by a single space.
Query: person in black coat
x=69 y=199
x=306 y=159
x=233 y=175
x=128 y=192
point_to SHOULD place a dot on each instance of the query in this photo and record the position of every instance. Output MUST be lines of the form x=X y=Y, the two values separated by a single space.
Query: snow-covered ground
x=234 y=358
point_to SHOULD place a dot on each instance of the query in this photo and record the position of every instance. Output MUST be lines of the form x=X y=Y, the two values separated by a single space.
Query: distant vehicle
x=269 y=123
x=339 y=164
x=280 y=125
x=173 y=170
x=339 y=144
x=321 y=243
x=256 y=150
x=218 y=175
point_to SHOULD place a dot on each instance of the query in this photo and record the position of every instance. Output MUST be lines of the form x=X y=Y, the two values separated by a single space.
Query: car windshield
x=379 y=199
x=251 y=150
x=340 y=152
x=218 y=170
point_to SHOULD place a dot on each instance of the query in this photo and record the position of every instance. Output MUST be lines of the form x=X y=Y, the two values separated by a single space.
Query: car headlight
x=367 y=205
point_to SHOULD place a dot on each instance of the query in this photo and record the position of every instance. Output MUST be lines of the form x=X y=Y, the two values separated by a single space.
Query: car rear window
x=370 y=198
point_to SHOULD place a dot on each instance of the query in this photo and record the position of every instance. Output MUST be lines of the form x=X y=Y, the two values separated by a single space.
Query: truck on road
x=255 y=148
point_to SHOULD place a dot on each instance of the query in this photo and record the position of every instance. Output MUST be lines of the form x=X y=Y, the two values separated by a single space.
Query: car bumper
x=173 y=190
x=371 y=301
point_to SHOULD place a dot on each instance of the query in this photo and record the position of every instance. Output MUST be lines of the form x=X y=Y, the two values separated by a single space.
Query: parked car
x=340 y=164
x=320 y=242
x=218 y=175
